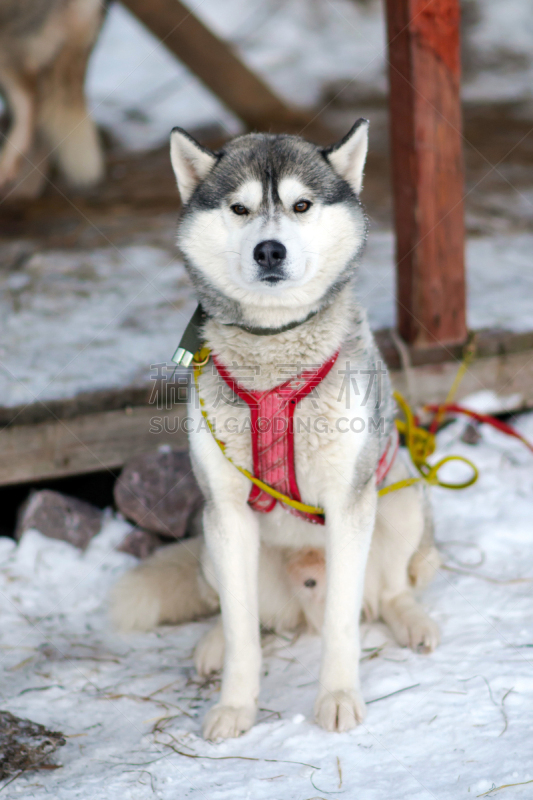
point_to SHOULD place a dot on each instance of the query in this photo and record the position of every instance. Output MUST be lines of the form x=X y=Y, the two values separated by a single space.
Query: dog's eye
x=301 y=206
x=310 y=582
x=239 y=209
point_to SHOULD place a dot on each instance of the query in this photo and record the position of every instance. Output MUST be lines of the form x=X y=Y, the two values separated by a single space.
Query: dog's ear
x=348 y=156
x=190 y=161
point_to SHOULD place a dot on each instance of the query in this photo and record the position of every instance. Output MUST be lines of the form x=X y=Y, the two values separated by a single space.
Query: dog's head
x=270 y=222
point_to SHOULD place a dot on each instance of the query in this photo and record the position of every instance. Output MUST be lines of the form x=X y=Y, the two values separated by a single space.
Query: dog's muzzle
x=270 y=256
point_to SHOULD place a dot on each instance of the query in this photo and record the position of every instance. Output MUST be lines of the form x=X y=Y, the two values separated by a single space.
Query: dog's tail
x=167 y=587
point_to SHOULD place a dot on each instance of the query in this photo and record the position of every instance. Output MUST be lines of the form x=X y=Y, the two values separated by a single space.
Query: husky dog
x=44 y=48
x=271 y=232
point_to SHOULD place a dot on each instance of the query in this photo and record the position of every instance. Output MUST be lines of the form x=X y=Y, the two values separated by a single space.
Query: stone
x=471 y=434
x=140 y=543
x=59 y=516
x=158 y=492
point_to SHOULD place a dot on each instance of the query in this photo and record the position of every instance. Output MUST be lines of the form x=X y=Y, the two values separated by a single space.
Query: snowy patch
x=131 y=707
x=89 y=320
x=499 y=281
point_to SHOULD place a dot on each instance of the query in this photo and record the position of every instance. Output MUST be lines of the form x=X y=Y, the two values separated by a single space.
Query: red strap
x=272 y=424
x=389 y=454
x=453 y=408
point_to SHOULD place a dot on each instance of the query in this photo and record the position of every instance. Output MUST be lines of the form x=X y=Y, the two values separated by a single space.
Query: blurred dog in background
x=44 y=50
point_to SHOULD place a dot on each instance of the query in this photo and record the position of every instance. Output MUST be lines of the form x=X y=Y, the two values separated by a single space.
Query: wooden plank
x=89 y=443
x=488 y=342
x=427 y=169
x=506 y=375
x=217 y=66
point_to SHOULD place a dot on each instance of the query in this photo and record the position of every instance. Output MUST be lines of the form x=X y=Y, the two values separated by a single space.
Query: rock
x=140 y=543
x=471 y=434
x=59 y=517
x=158 y=492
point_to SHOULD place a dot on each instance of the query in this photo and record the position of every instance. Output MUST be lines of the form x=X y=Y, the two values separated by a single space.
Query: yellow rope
x=419 y=442
x=468 y=355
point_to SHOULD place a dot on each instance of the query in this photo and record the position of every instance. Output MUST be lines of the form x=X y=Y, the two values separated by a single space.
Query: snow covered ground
x=86 y=320
x=132 y=707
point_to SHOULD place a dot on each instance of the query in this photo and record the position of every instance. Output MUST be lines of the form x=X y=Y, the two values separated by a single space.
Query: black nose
x=270 y=256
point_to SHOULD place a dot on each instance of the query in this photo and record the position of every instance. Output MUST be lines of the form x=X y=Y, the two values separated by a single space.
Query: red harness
x=272 y=430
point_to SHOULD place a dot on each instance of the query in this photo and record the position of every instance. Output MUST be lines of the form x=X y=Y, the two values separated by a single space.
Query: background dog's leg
x=20 y=96
x=350 y=521
x=232 y=537
x=64 y=118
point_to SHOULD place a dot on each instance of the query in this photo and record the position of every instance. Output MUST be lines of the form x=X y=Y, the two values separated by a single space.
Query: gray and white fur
x=272 y=229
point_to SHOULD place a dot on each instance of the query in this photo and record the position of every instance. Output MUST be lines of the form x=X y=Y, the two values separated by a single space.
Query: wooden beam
x=217 y=66
x=505 y=375
x=427 y=169
x=89 y=443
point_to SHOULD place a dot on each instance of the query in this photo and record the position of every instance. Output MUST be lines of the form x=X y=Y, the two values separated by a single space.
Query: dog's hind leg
x=209 y=652
x=426 y=560
x=19 y=92
x=402 y=555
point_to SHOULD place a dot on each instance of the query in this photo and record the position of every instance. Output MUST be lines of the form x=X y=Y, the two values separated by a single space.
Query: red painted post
x=427 y=169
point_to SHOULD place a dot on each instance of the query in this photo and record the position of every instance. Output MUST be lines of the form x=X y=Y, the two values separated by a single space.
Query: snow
x=138 y=90
x=87 y=320
x=461 y=726
x=498 y=273
x=501 y=40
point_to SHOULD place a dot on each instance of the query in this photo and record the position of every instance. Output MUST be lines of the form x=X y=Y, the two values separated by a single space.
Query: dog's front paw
x=340 y=710
x=227 y=722
x=209 y=652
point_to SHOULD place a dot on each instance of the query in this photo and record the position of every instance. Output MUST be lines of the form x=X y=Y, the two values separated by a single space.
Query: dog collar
x=192 y=340
x=271 y=331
